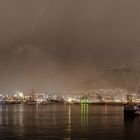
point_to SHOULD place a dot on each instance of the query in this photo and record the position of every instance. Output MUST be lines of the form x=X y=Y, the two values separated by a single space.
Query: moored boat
x=131 y=109
x=44 y=103
x=30 y=102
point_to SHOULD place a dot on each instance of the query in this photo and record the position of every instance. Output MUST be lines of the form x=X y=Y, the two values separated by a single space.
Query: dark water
x=66 y=122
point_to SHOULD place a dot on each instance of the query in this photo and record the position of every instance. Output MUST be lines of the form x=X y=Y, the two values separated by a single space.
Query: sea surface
x=66 y=122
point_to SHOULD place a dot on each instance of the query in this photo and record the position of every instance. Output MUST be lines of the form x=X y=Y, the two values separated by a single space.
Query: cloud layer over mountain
x=66 y=45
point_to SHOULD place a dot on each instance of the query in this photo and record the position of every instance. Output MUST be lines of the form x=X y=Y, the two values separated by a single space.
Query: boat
x=30 y=102
x=11 y=102
x=56 y=101
x=32 y=99
x=131 y=109
x=43 y=102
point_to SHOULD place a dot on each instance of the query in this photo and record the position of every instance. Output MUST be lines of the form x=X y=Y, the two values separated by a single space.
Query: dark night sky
x=67 y=44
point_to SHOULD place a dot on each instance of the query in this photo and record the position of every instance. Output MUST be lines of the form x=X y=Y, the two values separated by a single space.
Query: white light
x=19 y=94
x=69 y=100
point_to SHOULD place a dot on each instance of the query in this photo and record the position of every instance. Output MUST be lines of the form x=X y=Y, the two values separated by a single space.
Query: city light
x=70 y=100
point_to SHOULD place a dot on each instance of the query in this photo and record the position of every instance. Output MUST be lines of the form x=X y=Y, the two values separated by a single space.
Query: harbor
x=100 y=96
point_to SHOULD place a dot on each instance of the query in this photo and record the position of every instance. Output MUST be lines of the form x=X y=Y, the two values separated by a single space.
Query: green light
x=84 y=101
x=84 y=114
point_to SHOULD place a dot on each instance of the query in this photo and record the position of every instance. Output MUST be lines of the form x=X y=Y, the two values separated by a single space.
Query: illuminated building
x=84 y=100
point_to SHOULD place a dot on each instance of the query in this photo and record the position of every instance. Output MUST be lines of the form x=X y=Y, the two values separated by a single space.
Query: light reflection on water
x=61 y=121
x=84 y=115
